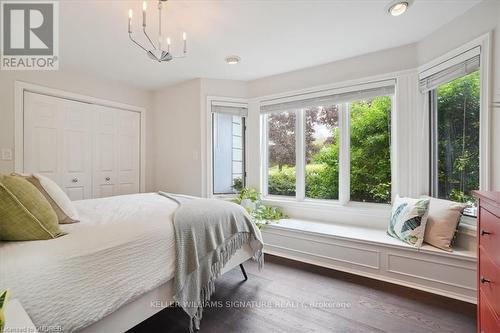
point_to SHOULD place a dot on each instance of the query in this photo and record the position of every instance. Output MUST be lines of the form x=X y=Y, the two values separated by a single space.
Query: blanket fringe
x=228 y=250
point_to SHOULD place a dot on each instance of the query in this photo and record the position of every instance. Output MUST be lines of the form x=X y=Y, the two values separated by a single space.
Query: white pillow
x=408 y=220
x=59 y=198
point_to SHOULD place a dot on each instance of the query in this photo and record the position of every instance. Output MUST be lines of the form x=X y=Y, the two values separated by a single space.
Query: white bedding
x=122 y=248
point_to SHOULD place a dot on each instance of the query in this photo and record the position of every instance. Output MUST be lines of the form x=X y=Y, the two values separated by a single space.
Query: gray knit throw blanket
x=207 y=234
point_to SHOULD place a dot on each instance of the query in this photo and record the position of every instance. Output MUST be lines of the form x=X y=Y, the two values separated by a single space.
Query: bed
x=111 y=271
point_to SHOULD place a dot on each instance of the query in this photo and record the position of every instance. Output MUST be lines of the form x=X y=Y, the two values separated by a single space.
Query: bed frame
x=152 y=302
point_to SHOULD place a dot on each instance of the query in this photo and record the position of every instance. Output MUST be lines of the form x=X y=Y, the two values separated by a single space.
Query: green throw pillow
x=25 y=214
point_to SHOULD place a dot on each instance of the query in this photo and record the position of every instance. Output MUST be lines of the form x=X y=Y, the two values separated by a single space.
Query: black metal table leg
x=243 y=271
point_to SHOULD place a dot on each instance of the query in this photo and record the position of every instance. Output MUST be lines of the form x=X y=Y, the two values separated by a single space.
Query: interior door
x=116 y=152
x=90 y=151
x=57 y=142
x=105 y=171
x=128 y=152
x=76 y=162
x=42 y=138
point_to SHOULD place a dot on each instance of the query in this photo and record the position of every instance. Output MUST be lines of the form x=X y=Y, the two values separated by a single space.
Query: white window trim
x=344 y=154
x=484 y=42
x=228 y=101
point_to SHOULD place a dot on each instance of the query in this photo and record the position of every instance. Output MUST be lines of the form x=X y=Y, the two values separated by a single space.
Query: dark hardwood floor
x=289 y=296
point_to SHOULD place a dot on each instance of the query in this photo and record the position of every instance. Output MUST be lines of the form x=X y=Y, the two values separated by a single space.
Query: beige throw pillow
x=442 y=222
x=62 y=205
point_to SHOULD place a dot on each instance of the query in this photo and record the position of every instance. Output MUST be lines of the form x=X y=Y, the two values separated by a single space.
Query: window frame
x=434 y=151
x=483 y=42
x=344 y=149
x=232 y=102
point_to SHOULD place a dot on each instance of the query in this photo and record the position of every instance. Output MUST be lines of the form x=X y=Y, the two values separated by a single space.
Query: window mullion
x=434 y=143
x=300 y=155
x=344 y=154
x=265 y=154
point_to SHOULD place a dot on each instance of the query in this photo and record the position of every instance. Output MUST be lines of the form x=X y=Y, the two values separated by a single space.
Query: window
x=322 y=152
x=228 y=147
x=281 y=143
x=371 y=150
x=454 y=113
x=313 y=142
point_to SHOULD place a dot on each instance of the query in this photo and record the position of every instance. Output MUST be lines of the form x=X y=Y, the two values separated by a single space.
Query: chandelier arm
x=145 y=33
x=136 y=43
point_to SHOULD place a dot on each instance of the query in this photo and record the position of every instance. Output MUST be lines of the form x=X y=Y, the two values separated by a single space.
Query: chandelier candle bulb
x=168 y=44
x=184 y=37
x=130 y=14
x=144 y=7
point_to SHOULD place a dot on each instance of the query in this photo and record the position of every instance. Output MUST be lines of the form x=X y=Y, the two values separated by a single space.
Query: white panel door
x=57 y=142
x=42 y=139
x=76 y=163
x=105 y=170
x=90 y=151
x=116 y=152
x=128 y=152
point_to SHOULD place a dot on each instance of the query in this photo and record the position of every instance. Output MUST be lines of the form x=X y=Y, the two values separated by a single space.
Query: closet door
x=128 y=152
x=57 y=142
x=42 y=137
x=116 y=152
x=105 y=152
x=76 y=162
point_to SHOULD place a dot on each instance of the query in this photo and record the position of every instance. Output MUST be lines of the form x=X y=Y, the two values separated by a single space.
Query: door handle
x=484 y=232
x=74 y=180
x=107 y=179
x=484 y=280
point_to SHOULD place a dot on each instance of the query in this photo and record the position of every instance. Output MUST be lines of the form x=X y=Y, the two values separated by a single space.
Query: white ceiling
x=271 y=37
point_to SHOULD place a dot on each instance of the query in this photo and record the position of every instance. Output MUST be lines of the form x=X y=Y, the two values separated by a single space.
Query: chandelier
x=157 y=51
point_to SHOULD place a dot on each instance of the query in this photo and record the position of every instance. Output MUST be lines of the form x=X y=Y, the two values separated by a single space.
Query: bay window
x=332 y=145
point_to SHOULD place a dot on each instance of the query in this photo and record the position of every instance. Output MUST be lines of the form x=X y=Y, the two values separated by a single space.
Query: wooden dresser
x=488 y=270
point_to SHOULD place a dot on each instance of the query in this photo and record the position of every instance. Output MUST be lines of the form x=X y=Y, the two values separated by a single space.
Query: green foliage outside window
x=458 y=106
x=370 y=159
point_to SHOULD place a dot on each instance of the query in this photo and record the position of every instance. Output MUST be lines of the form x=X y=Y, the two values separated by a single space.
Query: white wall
x=177 y=138
x=72 y=82
x=479 y=20
x=382 y=62
x=180 y=132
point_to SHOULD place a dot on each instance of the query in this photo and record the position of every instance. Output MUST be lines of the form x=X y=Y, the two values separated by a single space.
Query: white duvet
x=122 y=248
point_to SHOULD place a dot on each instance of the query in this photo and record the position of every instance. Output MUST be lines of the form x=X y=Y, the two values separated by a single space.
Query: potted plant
x=251 y=200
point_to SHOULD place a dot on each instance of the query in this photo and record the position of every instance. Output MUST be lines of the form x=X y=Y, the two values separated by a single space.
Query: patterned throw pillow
x=408 y=220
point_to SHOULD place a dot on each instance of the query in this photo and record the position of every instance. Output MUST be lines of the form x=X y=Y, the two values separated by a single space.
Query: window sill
x=226 y=197
x=370 y=215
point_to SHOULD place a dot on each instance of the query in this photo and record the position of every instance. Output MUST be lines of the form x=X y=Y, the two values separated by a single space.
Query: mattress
x=123 y=247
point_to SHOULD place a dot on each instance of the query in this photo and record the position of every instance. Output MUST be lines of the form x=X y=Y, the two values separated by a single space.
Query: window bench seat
x=372 y=253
